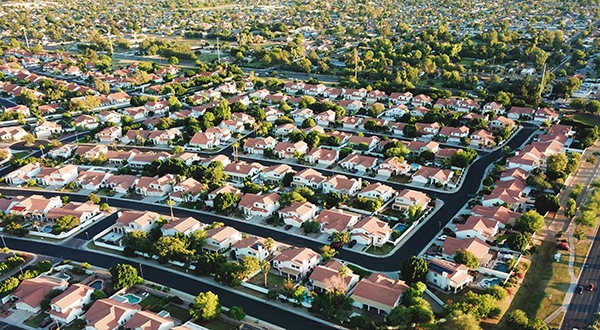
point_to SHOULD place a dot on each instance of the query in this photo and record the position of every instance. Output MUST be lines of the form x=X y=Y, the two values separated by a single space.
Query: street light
x=141 y=271
x=86 y=235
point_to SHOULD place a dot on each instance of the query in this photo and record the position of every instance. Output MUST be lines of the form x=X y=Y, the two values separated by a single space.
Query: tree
x=517 y=318
x=65 y=200
x=341 y=237
x=265 y=266
x=251 y=264
x=224 y=201
x=94 y=198
x=176 y=150
x=463 y=157
x=327 y=252
x=578 y=104
x=570 y=208
x=236 y=313
x=530 y=221
x=557 y=162
x=401 y=317
x=518 y=242
x=466 y=258
x=65 y=223
x=123 y=276
x=173 y=60
x=43 y=266
x=308 y=122
x=174 y=103
x=171 y=202
x=414 y=270
x=457 y=320
x=587 y=218
x=410 y=131
x=30 y=139
x=287 y=199
x=206 y=306
x=547 y=203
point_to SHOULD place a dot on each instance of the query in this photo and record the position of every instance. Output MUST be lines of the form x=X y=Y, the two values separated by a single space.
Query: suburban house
x=259 y=205
x=110 y=134
x=34 y=206
x=394 y=166
x=322 y=156
x=495 y=107
x=432 y=175
x=289 y=150
x=342 y=185
x=110 y=116
x=371 y=231
x=421 y=100
x=336 y=220
x=226 y=189
x=370 y=142
x=498 y=123
x=86 y=121
x=406 y=198
x=82 y=211
x=188 y=190
x=377 y=190
x=482 y=138
x=378 y=293
x=223 y=134
x=121 y=183
x=428 y=128
x=68 y=305
x=448 y=275
x=46 y=129
x=221 y=238
x=162 y=138
x=147 y=186
x=474 y=245
x=109 y=314
x=91 y=180
x=276 y=173
x=253 y=247
x=296 y=263
x=359 y=162
x=257 y=146
x=545 y=114
x=502 y=196
x=30 y=293
x=483 y=228
x=129 y=221
x=309 y=178
x=401 y=98
x=184 y=226
x=238 y=172
x=147 y=320
x=24 y=173
x=204 y=141
x=417 y=147
x=57 y=177
x=325 y=118
x=297 y=213
x=324 y=278
x=284 y=129
x=520 y=113
x=454 y=134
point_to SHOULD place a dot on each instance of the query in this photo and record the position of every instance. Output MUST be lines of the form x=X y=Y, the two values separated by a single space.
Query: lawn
x=216 y=325
x=359 y=271
x=581 y=250
x=586 y=118
x=151 y=300
x=35 y=322
x=273 y=280
x=179 y=313
x=387 y=248
x=106 y=192
x=400 y=179
x=207 y=57
x=20 y=154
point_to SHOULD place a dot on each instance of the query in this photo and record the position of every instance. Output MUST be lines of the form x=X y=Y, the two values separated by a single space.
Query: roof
x=474 y=245
x=297 y=255
x=32 y=291
x=222 y=233
x=485 y=225
x=105 y=314
x=414 y=196
x=71 y=295
x=380 y=288
x=374 y=226
x=299 y=208
x=323 y=273
x=182 y=225
x=139 y=217
x=336 y=219
x=146 y=320
x=451 y=270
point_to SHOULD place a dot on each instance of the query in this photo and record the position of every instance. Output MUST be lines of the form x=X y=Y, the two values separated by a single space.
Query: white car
x=442 y=237
x=248 y=217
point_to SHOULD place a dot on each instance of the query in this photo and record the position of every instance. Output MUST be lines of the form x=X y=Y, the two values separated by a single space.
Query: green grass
x=216 y=325
x=400 y=179
x=207 y=57
x=556 y=322
x=35 y=322
x=387 y=248
x=151 y=300
x=20 y=154
x=359 y=271
x=273 y=280
x=466 y=62
x=586 y=118
x=179 y=313
x=106 y=192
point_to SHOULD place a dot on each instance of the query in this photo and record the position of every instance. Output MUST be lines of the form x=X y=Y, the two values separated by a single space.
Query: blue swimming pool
x=47 y=229
x=415 y=166
x=502 y=268
x=97 y=285
x=400 y=227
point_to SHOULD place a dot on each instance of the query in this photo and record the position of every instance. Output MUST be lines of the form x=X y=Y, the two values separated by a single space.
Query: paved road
x=264 y=311
x=583 y=306
x=453 y=203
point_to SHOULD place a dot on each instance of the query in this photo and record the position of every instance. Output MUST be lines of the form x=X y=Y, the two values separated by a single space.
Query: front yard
x=35 y=322
x=379 y=251
x=273 y=281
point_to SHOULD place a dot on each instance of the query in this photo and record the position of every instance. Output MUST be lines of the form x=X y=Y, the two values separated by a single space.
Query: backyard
x=179 y=313
x=216 y=324
x=273 y=280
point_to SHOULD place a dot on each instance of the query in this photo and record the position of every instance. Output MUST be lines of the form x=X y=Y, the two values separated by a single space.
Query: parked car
x=46 y=322
x=205 y=208
x=248 y=217
x=288 y=227
x=590 y=287
x=442 y=237
x=579 y=289
x=336 y=245
x=352 y=243
x=54 y=326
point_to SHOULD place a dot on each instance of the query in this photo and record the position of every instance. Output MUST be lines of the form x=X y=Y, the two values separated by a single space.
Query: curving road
x=453 y=202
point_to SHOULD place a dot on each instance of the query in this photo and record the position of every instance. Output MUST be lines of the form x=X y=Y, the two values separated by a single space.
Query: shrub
x=272 y=294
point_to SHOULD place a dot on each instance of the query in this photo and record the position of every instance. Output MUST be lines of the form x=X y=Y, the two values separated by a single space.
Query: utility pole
x=110 y=42
x=542 y=83
x=356 y=64
x=218 y=51
x=25 y=33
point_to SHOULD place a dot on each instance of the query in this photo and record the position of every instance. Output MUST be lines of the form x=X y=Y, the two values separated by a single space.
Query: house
x=355 y=94
x=34 y=206
x=137 y=113
x=15 y=133
x=417 y=147
x=401 y=98
x=377 y=190
x=91 y=180
x=406 y=198
x=272 y=114
x=188 y=190
x=147 y=186
x=325 y=118
x=57 y=177
x=482 y=138
x=336 y=220
x=110 y=134
x=466 y=119
x=68 y=305
x=46 y=129
x=370 y=141
x=119 y=98
x=499 y=213
x=351 y=105
x=395 y=112
x=184 y=226
x=24 y=173
x=253 y=247
x=497 y=108
x=342 y=185
x=324 y=278
x=276 y=173
x=300 y=115
x=350 y=122
x=428 y=129
x=221 y=238
x=285 y=129
x=397 y=128
x=421 y=100
x=92 y=152
x=297 y=213
x=448 y=275
x=238 y=172
x=22 y=109
x=483 y=228
x=545 y=114
x=308 y=178
x=432 y=175
x=289 y=150
x=110 y=116
x=378 y=293
x=86 y=122
x=296 y=263
x=371 y=231
x=520 y=113
x=259 y=205
x=359 y=163
x=204 y=141
x=474 y=245
x=159 y=107
x=376 y=96
x=48 y=108
x=64 y=151
x=322 y=156
x=467 y=105
x=222 y=134
x=129 y=221
x=135 y=136
x=121 y=183
x=188 y=158
x=30 y=293
x=162 y=138
x=419 y=111
x=147 y=320
x=501 y=196
x=226 y=189
x=454 y=134
x=293 y=87
x=500 y=122
x=232 y=125
x=109 y=314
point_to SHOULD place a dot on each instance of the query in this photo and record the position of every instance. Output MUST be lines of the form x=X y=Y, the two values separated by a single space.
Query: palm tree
x=269 y=244
x=171 y=202
x=42 y=149
x=235 y=147
x=343 y=237
x=265 y=266
x=343 y=271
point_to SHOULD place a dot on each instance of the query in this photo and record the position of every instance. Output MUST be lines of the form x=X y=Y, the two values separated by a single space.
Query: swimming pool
x=47 y=229
x=489 y=282
x=415 y=166
x=133 y=299
x=97 y=285
x=502 y=267
x=400 y=227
